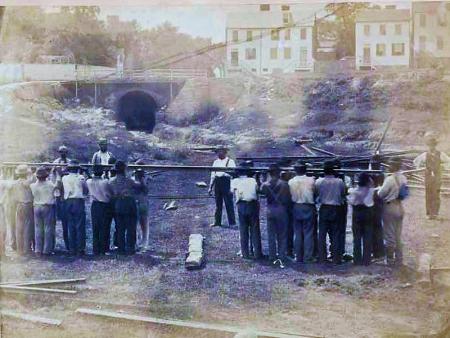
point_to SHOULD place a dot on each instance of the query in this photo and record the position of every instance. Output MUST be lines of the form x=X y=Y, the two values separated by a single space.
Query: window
x=440 y=43
x=303 y=34
x=249 y=35
x=286 y=18
x=285 y=7
x=382 y=29
x=423 y=20
x=254 y=70
x=275 y=34
x=234 y=58
x=303 y=56
x=235 y=36
x=398 y=49
x=367 y=30
x=381 y=49
x=274 y=53
x=250 y=53
x=287 y=34
x=264 y=7
x=422 y=43
x=398 y=29
x=265 y=70
x=287 y=52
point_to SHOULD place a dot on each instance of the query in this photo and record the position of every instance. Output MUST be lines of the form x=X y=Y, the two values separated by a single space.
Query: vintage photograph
x=214 y=168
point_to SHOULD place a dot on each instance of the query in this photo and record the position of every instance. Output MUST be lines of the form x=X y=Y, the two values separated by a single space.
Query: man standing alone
x=432 y=161
x=304 y=211
x=102 y=156
x=220 y=182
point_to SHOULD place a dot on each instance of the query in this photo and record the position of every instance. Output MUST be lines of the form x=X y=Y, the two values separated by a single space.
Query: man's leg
x=298 y=238
x=219 y=205
x=131 y=231
x=324 y=229
x=357 y=236
x=308 y=236
x=378 y=244
x=244 y=227
x=64 y=222
x=39 y=231
x=228 y=198
x=49 y=229
x=96 y=220
x=81 y=227
x=290 y=232
x=271 y=237
x=20 y=228
x=389 y=232
x=282 y=231
x=367 y=236
x=255 y=232
x=342 y=228
x=398 y=241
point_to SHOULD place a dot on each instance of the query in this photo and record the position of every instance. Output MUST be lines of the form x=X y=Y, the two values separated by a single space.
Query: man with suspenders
x=220 y=182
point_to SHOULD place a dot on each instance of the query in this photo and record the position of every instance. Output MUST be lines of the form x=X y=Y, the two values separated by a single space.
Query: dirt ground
x=330 y=301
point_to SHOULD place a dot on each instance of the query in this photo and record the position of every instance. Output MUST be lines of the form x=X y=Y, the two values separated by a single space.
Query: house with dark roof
x=382 y=38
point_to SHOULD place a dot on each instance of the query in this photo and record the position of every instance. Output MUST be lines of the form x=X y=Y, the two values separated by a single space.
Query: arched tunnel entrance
x=137 y=109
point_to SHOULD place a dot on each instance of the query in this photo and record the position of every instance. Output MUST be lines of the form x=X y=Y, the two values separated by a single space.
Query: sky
x=202 y=20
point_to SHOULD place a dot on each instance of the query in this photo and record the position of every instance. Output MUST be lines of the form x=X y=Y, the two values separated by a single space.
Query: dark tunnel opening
x=137 y=109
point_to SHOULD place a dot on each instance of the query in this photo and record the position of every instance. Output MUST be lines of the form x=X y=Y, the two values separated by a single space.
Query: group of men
x=32 y=202
x=303 y=210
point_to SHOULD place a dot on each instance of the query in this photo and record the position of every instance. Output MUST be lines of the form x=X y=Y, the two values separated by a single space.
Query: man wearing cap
x=278 y=200
x=75 y=189
x=432 y=161
x=142 y=206
x=303 y=193
x=100 y=193
x=23 y=199
x=44 y=192
x=393 y=212
x=245 y=189
x=343 y=211
x=330 y=192
x=220 y=182
x=57 y=173
x=102 y=156
x=124 y=193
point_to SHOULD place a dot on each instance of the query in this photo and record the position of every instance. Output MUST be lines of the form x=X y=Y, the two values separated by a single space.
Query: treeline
x=28 y=33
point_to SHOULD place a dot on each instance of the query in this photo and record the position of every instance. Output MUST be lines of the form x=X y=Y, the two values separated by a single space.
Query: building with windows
x=382 y=38
x=431 y=31
x=271 y=39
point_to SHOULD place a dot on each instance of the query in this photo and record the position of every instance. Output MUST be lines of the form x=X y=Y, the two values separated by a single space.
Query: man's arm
x=385 y=188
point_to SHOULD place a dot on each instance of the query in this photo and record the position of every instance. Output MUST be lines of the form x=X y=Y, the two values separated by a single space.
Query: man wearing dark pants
x=58 y=172
x=245 y=189
x=220 y=182
x=124 y=190
x=100 y=193
x=278 y=200
x=75 y=189
x=361 y=199
x=302 y=190
x=331 y=192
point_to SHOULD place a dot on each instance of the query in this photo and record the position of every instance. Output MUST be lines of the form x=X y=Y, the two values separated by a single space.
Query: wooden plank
x=45 y=282
x=186 y=324
x=31 y=318
x=30 y=289
x=424 y=269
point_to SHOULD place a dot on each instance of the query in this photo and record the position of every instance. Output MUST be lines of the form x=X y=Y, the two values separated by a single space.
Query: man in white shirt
x=245 y=189
x=220 y=182
x=302 y=190
x=393 y=212
x=102 y=156
x=75 y=189
x=432 y=160
x=44 y=201
x=100 y=192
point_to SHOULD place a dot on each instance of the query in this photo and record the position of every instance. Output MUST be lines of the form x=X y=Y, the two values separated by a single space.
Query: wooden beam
x=186 y=324
x=31 y=318
x=45 y=282
x=30 y=289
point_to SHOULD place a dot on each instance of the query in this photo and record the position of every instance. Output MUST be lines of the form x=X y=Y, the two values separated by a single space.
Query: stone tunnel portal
x=137 y=109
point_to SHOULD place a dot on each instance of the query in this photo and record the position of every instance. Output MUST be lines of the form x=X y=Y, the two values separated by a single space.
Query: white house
x=272 y=39
x=431 y=30
x=382 y=38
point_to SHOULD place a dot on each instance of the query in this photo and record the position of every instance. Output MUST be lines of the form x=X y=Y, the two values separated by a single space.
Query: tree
x=345 y=15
